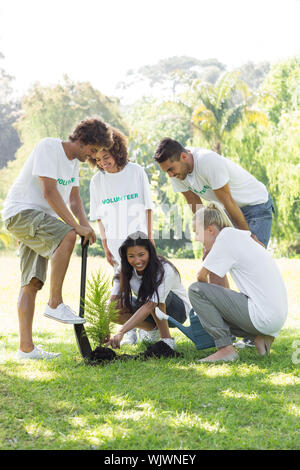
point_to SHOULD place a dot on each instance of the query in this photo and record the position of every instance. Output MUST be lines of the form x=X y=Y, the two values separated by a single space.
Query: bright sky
x=100 y=40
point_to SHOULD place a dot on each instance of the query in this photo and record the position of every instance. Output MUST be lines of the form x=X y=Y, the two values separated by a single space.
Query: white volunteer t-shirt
x=171 y=282
x=212 y=171
x=255 y=274
x=120 y=200
x=47 y=159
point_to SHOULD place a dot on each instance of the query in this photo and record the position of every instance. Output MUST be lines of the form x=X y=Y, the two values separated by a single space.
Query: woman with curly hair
x=120 y=200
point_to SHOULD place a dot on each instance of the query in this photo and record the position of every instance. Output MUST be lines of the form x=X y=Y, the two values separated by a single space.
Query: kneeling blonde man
x=259 y=310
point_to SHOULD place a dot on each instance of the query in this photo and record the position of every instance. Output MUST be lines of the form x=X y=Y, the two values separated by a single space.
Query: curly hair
x=118 y=150
x=93 y=131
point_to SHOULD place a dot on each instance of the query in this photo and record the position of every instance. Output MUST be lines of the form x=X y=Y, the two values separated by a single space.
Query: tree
x=221 y=107
x=100 y=314
x=180 y=70
x=280 y=153
x=272 y=154
x=173 y=74
x=53 y=111
x=149 y=121
x=9 y=108
x=244 y=147
x=254 y=74
x=282 y=86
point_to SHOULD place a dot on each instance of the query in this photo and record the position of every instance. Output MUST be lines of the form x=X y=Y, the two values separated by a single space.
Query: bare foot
x=263 y=344
x=226 y=354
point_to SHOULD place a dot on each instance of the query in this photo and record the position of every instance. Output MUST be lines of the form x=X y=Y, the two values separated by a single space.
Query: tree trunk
x=217 y=147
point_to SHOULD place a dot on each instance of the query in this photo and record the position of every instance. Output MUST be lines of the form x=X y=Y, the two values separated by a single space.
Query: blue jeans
x=174 y=308
x=259 y=218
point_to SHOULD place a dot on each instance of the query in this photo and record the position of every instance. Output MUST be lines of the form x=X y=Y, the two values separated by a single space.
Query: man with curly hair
x=121 y=202
x=36 y=213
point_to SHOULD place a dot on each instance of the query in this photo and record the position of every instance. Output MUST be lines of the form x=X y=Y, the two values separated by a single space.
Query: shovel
x=80 y=333
x=195 y=332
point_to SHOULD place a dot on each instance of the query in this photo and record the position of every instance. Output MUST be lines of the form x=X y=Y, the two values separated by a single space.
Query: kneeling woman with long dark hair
x=154 y=281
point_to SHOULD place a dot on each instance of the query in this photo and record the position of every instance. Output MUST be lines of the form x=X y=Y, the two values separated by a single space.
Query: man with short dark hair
x=48 y=181
x=199 y=173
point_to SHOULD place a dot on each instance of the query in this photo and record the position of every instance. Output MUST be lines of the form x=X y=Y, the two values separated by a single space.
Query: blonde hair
x=212 y=214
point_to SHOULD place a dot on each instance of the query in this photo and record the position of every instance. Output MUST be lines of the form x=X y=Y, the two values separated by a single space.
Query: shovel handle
x=81 y=337
x=84 y=252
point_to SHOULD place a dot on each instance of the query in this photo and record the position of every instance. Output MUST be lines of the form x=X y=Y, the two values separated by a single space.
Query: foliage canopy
x=250 y=115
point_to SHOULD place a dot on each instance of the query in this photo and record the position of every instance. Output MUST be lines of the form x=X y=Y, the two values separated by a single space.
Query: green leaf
x=100 y=314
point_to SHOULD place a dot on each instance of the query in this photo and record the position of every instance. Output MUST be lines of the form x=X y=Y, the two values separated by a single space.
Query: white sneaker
x=130 y=337
x=170 y=342
x=243 y=343
x=36 y=353
x=239 y=344
x=64 y=314
x=152 y=336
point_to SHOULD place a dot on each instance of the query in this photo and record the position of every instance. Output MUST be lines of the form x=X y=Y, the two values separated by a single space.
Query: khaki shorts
x=38 y=234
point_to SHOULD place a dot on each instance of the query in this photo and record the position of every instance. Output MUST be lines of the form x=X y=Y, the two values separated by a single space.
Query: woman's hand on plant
x=115 y=341
x=106 y=339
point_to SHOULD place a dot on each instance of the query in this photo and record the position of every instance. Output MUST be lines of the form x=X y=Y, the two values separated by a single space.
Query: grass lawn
x=157 y=404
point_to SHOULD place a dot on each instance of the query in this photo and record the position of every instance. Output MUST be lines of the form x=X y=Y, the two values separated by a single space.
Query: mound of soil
x=102 y=355
x=160 y=349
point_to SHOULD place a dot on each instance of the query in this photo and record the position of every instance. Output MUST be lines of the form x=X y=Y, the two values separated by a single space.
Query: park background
x=224 y=76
